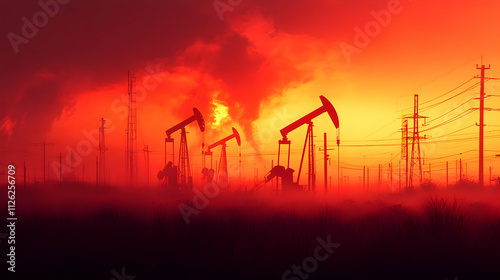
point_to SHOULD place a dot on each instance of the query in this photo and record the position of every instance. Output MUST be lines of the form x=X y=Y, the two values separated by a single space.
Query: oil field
x=250 y=140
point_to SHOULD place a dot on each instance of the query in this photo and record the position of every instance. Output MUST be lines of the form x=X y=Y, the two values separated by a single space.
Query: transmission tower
x=102 y=154
x=415 y=157
x=404 y=147
x=132 y=132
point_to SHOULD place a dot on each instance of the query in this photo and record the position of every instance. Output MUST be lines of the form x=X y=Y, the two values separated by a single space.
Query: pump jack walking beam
x=223 y=174
x=184 y=173
x=327 y=107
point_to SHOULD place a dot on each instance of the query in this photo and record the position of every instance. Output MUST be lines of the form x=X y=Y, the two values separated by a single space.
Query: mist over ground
x=79 y=231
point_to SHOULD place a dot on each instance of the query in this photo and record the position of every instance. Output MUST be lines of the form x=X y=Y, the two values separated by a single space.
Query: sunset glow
x=220 y=114
x=368 y=64
x=124 y=96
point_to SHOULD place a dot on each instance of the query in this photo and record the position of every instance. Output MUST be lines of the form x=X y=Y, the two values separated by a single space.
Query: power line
x=380 y=129
x=435 y=98
x=457 y=154
x=450 y=111
x=464 y=128
x=459 y=116
x=466 y=139
x=465 y=134
x=426 y=108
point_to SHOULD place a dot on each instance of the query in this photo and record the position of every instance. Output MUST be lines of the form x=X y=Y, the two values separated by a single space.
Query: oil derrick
x=222 y=176
x=415 y=157
x=132 y=133
x=102 y=154
x=182 y=173
x=286 y=174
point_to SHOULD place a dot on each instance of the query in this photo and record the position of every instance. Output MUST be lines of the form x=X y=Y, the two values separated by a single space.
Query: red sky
x=267 y=61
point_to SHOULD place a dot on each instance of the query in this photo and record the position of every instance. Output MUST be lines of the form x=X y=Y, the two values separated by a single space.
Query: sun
x=220 y=114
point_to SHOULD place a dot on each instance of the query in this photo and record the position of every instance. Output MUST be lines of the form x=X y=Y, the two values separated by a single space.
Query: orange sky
x=268 y=63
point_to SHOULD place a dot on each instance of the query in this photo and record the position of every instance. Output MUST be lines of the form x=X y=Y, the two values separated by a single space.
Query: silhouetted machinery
x=180 y=176
x=286 y=174
x=222 y=176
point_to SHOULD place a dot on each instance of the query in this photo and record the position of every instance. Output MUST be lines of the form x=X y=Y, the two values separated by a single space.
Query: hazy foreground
x=76 y=232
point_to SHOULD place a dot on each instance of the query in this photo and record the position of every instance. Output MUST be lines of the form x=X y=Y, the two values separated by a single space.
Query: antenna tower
x=132 y=132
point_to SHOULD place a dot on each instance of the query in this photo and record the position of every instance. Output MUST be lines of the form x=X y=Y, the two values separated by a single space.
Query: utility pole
x=255 y=175
x=146 y=150
x=44 y=144
x=338 y=163
x=390 y=172
x=481 y=126
x=102 y=153
x=490 y=176
x=367 y=178
x=325 y=162
x=364 y=177
x=379 y=174
x=97 y=172
x=460 y=171
x=446 y=174
x=399 y=173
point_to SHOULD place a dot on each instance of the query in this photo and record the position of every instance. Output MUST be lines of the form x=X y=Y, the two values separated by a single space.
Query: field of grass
x=76 y=232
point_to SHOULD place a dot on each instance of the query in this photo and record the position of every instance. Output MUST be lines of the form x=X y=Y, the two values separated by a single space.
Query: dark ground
x=74 y=232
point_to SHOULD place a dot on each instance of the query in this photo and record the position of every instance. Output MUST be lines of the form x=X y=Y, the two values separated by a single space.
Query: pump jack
x=222 y=176
x=286 y=174
x=171 y=173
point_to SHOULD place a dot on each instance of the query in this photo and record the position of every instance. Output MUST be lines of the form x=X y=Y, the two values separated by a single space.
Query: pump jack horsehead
x=286 y=174
x=180 y=176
